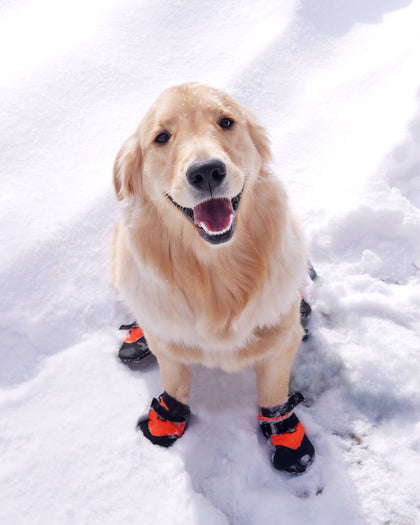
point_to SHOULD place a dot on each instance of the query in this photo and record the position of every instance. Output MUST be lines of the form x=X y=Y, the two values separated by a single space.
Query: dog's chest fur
x=213 y=300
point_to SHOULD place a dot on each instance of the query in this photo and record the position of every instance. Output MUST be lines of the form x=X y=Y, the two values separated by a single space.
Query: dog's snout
x=206 y=175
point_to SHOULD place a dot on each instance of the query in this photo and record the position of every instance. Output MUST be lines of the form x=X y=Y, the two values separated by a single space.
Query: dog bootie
x=293 y=452
x=305 y=314
x=134 y=347
x=167 y=421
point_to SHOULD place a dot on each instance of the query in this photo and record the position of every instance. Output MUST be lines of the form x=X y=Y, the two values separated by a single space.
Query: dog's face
x=198 y=151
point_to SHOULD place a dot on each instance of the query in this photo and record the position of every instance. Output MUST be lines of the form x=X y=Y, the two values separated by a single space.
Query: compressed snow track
x=337 y=85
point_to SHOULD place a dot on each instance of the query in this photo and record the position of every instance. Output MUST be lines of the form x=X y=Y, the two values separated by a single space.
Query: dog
x=209 y=258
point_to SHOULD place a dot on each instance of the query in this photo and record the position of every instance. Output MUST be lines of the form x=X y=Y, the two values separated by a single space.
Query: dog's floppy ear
x=259 y=137
x=127 y=168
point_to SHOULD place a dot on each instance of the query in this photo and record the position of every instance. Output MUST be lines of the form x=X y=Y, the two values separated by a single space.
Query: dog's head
x=196 y=151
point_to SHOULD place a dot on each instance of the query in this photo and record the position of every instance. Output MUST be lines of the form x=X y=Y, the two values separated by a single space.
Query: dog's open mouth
x=214 y=218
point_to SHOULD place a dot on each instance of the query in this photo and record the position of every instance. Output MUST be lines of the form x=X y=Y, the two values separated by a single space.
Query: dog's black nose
x=206 y=175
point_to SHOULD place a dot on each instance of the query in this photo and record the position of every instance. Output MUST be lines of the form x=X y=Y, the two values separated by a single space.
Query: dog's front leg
x=176 y=377
x=293 y=450
x=273 y=369
x=169 y=413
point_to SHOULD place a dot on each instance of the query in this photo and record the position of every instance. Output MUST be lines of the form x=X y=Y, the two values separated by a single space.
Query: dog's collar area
x=221 y=234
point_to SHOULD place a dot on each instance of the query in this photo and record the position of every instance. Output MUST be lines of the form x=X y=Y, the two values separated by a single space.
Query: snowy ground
x=337 y=84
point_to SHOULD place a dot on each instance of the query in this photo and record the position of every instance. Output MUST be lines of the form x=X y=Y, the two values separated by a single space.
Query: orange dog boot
x=293 y=452
x=167 y=421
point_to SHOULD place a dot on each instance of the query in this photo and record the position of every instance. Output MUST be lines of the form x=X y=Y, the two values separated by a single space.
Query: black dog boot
x=293 y=452
x=167 y=420
x=134 y=347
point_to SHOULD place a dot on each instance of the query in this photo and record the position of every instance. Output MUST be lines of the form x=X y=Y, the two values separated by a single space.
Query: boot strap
x=280 y=419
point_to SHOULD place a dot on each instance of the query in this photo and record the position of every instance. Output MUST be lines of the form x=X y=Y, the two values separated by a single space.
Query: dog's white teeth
x=219 y=232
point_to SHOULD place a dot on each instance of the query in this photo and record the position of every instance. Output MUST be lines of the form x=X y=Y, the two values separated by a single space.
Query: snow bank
x=336 y=84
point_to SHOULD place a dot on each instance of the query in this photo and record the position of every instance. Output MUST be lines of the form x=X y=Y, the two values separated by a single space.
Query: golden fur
x=226 y=305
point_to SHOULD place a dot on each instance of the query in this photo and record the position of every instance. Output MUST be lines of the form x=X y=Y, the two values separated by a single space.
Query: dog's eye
x=226 y=123
x=162 y=138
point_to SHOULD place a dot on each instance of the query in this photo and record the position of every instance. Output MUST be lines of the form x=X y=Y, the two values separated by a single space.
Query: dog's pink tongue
x=214 y=213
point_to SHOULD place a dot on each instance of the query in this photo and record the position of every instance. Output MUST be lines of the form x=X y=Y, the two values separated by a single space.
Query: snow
x=337 y=85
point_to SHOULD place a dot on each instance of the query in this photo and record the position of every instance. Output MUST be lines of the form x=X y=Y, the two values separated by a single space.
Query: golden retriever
x=207 y=254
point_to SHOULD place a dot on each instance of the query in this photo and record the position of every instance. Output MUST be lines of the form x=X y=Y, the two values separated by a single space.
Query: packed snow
x=336 y=83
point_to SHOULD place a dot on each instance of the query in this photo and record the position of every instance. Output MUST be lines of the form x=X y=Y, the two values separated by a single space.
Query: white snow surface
x=337 y=85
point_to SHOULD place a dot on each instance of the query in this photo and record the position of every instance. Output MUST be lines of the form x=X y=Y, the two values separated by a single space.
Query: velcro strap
x=280 y=419
x=129 y=326
x=281 y=410
x=270 y=428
